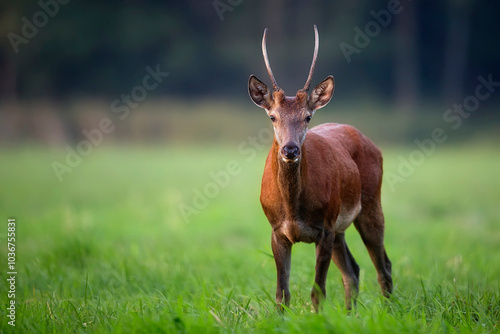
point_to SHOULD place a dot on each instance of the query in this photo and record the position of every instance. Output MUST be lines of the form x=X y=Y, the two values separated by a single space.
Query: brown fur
x=316 y=183
x=339 y=166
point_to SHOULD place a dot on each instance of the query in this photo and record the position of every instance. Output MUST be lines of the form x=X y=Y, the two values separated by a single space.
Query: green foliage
x=101 y=48
x=107 y=251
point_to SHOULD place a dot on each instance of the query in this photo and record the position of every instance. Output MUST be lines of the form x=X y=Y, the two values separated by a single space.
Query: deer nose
x=291 y=151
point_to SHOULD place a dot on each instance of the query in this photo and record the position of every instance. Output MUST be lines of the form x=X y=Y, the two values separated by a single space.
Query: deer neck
x=291 y=180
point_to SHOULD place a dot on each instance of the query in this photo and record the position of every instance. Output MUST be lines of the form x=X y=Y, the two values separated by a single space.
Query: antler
x=266 y=60
x=315 y=57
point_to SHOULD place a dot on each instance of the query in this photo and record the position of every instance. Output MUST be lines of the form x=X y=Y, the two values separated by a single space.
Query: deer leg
x=282 y=250
x=323 y=256
x=370 y=226
x=348 y=267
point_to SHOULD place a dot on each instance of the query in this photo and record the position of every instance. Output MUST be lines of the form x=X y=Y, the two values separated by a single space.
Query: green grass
x=107 y=250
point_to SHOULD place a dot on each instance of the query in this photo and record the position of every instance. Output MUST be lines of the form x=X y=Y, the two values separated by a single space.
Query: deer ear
x=322 y=93
x=259 y=93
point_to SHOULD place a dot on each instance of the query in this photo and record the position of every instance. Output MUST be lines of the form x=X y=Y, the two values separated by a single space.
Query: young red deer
x=316 y=182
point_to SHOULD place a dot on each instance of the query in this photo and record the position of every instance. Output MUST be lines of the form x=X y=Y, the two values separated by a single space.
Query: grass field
x=108 y=251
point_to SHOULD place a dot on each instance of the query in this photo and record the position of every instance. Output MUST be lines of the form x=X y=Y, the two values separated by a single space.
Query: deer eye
x=308 y=119
x=273 y=119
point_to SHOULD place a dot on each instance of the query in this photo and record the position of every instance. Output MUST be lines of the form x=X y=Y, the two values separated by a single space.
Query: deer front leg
x=282 y=250
x=324 y=250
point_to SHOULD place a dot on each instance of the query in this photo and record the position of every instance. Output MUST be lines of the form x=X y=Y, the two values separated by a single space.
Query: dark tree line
x=100 y=48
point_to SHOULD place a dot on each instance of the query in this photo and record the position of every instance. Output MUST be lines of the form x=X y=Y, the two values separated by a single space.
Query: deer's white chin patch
x=290 y=161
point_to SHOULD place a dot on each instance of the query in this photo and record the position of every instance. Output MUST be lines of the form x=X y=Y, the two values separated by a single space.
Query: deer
x=317 y=182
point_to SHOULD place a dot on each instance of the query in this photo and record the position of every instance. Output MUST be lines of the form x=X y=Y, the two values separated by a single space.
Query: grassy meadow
x=108 y=251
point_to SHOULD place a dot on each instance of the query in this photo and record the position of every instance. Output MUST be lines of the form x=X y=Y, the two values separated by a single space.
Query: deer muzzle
x=290 y=152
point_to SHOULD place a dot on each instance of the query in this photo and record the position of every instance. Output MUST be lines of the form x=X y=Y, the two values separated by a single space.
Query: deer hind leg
x=370 y=225
x=348 y=267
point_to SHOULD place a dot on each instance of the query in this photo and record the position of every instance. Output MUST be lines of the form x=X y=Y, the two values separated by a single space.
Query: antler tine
x=315 y=57
x=266 y=60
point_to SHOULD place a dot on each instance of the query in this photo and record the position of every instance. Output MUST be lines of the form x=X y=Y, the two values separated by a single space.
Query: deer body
x=323 y=192
x=315 y=184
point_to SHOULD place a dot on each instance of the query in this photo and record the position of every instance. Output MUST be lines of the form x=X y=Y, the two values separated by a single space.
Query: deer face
x=290 y=114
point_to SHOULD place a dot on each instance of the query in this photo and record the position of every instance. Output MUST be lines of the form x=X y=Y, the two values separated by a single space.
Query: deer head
x=290 y=114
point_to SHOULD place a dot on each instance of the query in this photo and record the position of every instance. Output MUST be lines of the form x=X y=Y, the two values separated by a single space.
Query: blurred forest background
x=85 y=54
